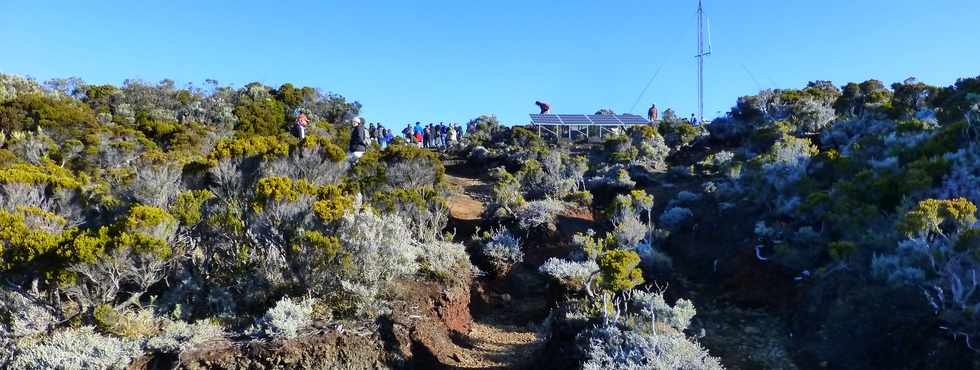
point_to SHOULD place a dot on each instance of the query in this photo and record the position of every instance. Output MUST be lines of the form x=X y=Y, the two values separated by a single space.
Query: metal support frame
x=568 y=130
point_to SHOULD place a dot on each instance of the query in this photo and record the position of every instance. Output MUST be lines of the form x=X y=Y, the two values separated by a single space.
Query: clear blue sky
x=455 y=60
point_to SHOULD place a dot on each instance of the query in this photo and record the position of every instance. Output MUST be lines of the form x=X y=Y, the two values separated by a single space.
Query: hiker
x=427 y=136
x=545 y=107
x=443 y=132
x=693 y=120
x=417 y=132
x=652 y=113
x=301 y=123
x=372 y=131
x=358 y=139
x=389 y=137
x=451 y=135
x=407 y=133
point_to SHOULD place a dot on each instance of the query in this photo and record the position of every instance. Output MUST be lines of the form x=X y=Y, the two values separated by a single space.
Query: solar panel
x=582 y=119
x=545 y=119
x=605 y=119
x=632 y=119
x=574 y=119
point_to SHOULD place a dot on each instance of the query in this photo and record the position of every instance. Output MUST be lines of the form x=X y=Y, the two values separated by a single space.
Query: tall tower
x=700 y=56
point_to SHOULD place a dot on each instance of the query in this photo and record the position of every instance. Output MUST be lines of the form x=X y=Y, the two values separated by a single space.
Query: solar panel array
x=582 y=119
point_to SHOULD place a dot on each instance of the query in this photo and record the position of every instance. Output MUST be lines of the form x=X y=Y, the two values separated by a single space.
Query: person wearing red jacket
x=545 y=107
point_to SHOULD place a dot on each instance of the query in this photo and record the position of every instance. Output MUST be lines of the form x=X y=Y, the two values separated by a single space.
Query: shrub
x=507 y=193
x=20 y=242
x=20 y=316
x=609 y=347
x=125 y=324
x=80 y=348
x=266 y=146
x=572 y=275
x=675 y=217
x=447 y=262
x=380 y=249
x=619 y=271
x=178 y=336
x=840 y=250
x=677 y=316
x=262 y=116
x=187 y=206
x=287 y=319
x=539 y=213
x=677 y=133
x=933 y=216
x=503 y=251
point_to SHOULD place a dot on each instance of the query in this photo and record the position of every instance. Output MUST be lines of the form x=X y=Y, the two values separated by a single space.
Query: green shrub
x=126 y=325
x=263 y=117
x=932 y=216
x=187 y=206
x=840 y=250
x=618 y=270
x=20 y=243
x=333 y=203
x=265 y=146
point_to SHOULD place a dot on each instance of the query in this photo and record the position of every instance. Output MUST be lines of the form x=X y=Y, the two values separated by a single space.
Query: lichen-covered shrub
x=573 y=275
x=677 y=316
x=539 y=213
x=378 y=250
x=22 y=317
x=287 y=319
x=178 y=336
x=447 y=262
x=503 y=251
x=80 y=348
x=610 y=347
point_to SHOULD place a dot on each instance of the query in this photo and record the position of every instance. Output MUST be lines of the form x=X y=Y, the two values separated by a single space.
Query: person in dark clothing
x=358 y=139
x=545 y=107
x=652 y=113
x=693 y=120
x=407 y=132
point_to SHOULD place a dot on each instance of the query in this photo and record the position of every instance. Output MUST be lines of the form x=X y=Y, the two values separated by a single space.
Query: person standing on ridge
x=301 y=122
x=545 y=107
x=407 y=133
x=451 y=135
x=417 y=132
x=694 y=120
x=652 y=113
x=358 y=139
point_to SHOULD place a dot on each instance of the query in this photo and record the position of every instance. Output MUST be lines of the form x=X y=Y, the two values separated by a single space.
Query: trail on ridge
x=499 y=339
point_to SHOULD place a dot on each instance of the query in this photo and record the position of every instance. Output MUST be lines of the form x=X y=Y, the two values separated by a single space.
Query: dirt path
x=495 y=345
x=469 y=204
x=494 y=342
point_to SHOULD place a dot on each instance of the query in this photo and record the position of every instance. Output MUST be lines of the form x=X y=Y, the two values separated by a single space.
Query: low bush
x=288 y=319
x=572 y=275
x=503 y=250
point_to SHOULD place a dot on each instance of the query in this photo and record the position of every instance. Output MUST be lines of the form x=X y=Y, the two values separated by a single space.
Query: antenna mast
x=700 y=56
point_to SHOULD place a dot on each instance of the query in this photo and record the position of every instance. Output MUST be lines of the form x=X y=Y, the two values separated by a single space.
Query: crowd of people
x=433 y=136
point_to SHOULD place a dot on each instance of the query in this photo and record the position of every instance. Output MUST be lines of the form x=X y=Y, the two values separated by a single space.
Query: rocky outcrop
x=417 y=334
